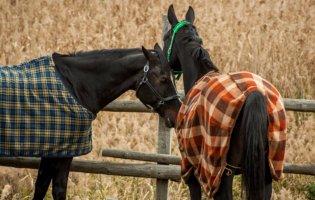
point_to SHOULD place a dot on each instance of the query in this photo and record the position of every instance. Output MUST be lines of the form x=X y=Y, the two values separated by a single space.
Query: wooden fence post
x=164 y=147
x=164 y=141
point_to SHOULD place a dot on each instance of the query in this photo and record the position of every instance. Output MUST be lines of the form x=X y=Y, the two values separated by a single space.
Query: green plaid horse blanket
x=38 y=114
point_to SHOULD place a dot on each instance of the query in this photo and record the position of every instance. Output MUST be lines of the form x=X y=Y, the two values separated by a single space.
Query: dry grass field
x=274 y=38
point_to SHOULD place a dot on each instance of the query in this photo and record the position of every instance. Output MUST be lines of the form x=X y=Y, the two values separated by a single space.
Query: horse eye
x=190 y=39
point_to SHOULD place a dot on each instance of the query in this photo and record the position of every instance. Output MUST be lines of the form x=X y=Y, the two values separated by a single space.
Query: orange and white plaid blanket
x=206 y=120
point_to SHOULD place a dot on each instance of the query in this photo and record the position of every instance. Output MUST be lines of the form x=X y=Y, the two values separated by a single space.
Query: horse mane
x=198 y=53
x=109 y=53
x=113 y=53
x=202 y=56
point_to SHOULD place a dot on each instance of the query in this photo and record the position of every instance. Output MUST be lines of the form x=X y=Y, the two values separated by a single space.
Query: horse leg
x=268 y=182
x=45 y=174
x=234 y=158
x=225 y=189
x=268 y=189
x=60 y=177
x=194 y=188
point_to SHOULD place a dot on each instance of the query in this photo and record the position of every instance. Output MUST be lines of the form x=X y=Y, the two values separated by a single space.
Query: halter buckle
x=146 y=68
x=144 y=80
x=161 y=103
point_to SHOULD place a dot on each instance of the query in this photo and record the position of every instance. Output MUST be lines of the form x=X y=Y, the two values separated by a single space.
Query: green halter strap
x=176 y=28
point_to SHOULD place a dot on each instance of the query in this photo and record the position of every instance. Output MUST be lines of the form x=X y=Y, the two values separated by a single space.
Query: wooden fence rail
x=135 y=155
x=100 y=167
x=146 y=170
x=301 y=105
x=307 y=169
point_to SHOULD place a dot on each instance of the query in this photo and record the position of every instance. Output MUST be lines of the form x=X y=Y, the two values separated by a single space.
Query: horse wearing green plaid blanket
x=48 y=104
x=228 y=124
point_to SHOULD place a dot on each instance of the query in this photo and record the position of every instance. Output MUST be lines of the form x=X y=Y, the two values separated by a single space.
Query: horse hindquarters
x=256 y=180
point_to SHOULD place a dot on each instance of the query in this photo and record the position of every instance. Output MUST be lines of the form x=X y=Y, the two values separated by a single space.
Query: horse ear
x=190 y=15
x=157 y=48
x=147 y=54
x=171 y=15
x=159 y=51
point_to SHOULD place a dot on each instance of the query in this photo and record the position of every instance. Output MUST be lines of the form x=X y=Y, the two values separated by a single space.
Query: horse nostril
x=169 y=123
x=162 y=114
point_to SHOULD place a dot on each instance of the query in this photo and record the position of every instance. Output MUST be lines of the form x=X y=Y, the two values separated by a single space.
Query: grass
x=311 y=191
x=274 y=39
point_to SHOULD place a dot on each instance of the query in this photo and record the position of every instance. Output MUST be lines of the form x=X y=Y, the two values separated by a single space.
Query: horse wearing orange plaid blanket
x=228 y=124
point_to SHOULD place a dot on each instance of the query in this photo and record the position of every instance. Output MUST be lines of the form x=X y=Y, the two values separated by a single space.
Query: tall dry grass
x=272 y=38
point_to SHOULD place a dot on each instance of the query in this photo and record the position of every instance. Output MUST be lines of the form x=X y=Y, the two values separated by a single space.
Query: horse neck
x=98 y=79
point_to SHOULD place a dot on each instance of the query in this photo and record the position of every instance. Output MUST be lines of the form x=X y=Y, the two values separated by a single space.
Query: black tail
x=254 y=126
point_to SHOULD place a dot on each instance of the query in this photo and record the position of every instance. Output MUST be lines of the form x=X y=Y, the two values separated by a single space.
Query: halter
x=176 y=28
x=145 y=80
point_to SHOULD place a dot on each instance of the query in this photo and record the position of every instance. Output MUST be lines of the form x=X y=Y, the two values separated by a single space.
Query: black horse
x=246 y=155
x=96 y=78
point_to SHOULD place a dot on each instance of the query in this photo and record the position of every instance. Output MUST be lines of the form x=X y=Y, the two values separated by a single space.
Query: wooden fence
x=165 y=167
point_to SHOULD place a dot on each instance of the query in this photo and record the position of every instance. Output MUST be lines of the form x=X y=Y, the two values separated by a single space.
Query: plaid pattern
x=206 y=120
x=38 y=115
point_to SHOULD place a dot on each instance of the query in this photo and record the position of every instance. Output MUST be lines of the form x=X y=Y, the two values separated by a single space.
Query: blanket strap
x=231 y=169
